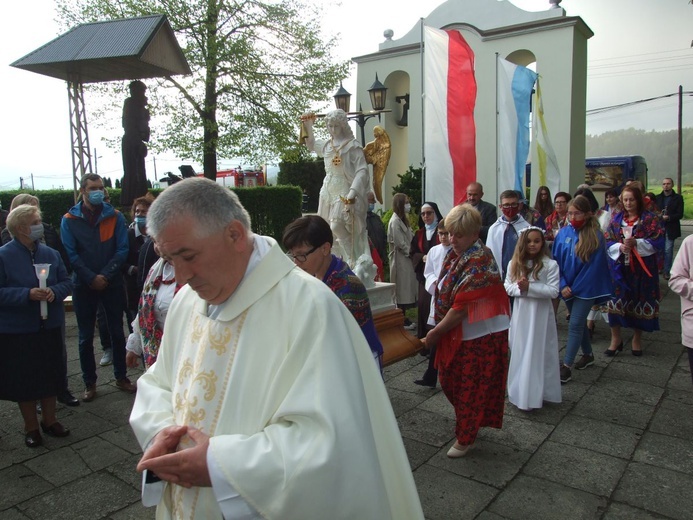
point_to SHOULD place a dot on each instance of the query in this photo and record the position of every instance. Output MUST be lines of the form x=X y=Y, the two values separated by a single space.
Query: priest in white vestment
x=264 y=401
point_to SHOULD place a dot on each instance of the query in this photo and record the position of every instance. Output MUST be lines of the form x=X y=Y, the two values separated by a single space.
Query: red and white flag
x=449 y=130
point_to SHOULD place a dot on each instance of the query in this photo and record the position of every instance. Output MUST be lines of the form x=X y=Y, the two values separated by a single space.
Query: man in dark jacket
x=670 y=204
x=96 y=239
x=489 y=213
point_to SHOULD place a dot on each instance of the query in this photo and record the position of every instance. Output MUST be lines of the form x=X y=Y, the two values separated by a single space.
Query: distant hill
x=658 y=148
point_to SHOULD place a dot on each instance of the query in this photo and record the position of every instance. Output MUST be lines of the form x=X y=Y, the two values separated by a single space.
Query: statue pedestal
x=398 y=343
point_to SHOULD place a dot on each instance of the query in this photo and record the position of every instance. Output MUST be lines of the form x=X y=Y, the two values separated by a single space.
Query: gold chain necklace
x=337 y=159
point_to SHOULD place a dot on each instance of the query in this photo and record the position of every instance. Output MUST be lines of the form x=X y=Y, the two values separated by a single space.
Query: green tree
x=257 y=65
x=410 y=185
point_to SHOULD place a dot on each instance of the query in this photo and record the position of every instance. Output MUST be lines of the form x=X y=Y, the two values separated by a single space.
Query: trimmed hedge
x=271 y=208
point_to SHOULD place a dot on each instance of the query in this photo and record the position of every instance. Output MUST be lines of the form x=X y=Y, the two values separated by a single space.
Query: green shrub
x=271 y=208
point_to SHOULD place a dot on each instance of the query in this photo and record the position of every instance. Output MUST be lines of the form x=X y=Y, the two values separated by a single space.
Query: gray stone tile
x=577 y=468
x=446 y=496
x=124 y=438
x=612 y=408
x=627 y=391
x=98 y=453
x=439 y=404
x=135 y=512
x=12 y=514
x=574 y=391
x=126 y=471
x=114 y=407
x=487 y=462
x=518 y=433
x=681 y=380
x=666 y=452
x=405 y=381
x=618 y=511
x=418 y=452
x=95 y=496
x=679 y=396
x=13 y=450
x=19 y=483
x=485 y=515
x=528 y=497
x=638 y=374
x=83 y=424
x=402 y=366
x=657 y=490
x=673 y=418
x=59 y=466
x=550 y=413
x=601 y=436
x=402 y=402
x=427 y=427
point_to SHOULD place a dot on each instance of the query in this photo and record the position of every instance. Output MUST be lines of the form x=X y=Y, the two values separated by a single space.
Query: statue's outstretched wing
x=377 y=153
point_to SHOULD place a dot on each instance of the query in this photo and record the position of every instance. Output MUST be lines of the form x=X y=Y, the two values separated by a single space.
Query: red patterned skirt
x=474 y=382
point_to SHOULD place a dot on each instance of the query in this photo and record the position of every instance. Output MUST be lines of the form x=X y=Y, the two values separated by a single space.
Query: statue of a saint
x=343 y=201
x=135 y=139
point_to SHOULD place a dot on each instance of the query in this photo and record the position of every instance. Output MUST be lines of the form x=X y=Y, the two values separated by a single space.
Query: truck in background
x=603 y=173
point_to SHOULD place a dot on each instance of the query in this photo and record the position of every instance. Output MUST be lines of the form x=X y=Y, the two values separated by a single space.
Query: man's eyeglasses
x=302 y=257
x=426 y=213
x=510 y=206
x=559 y=202
x=443 y=233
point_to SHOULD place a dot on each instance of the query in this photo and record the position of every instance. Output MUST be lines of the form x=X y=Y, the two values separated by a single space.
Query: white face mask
x=407 y=208
x=35 y=232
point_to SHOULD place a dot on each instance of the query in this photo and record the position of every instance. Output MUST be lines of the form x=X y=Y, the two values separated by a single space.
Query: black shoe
x=422 y=382
x=566 y=374
x=55 y=430
x=612 y=353
x=636 y=353
x=68 y=399
x=33 y=439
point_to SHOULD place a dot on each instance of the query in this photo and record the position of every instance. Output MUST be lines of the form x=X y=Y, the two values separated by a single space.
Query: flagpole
x=423 y=108
x=497 y=135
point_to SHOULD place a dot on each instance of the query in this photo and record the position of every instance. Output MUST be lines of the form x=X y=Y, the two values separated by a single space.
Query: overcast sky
x=641 y=49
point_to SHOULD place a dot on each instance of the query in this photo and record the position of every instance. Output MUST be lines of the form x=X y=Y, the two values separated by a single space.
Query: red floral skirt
x=474 y=382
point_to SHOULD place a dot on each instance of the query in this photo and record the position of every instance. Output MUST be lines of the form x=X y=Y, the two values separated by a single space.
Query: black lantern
x=377 y=92
x=342 y=98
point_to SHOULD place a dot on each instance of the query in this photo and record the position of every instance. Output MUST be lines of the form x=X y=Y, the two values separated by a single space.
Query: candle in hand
x=42 y=275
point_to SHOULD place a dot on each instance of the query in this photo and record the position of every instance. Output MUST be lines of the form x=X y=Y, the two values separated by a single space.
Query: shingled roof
x=124 y=49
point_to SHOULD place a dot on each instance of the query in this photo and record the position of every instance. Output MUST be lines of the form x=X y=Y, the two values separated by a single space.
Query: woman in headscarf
x=471 y=333
x=424 y=239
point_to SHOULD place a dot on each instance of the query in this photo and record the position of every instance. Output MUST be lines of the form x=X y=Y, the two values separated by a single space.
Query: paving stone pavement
x=619 y=446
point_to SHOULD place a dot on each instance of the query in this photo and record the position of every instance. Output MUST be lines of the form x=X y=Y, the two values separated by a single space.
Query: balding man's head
x=475 y=192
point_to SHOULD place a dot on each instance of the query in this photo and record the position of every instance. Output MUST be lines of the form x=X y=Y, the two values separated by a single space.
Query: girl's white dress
x=533 y=376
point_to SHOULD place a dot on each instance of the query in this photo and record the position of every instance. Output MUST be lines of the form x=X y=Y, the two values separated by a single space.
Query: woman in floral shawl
x=471 y=332
x=148 y=326
x=634 y=237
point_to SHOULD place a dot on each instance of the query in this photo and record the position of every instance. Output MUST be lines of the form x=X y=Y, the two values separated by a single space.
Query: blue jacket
x=99 y=249
x=18 y=314
x=591 y=280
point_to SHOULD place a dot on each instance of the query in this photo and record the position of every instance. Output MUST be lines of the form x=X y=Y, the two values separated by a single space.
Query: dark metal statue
x=135 y=139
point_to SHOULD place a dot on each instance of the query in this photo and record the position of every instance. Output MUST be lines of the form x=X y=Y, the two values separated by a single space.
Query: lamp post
x=378 y=95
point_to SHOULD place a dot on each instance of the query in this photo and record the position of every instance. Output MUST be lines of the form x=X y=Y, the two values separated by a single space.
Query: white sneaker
x=411 y=326
x=107 y=358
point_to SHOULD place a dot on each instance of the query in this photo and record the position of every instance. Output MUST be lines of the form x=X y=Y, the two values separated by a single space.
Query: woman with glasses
x=559 y=218
x=308 y=241
x=399 y=237
x=585 y=281
x=424 y=239
x=634 y=238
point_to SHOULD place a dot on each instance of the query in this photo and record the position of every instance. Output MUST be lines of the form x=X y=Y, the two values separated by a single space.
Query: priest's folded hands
x=186 y=467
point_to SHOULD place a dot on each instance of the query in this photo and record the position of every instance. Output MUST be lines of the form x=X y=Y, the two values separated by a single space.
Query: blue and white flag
x=514 y=94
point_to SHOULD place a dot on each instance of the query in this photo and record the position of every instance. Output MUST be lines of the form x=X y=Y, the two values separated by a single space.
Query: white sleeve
x=645 y=248
x=548 y=289
x=233 y=506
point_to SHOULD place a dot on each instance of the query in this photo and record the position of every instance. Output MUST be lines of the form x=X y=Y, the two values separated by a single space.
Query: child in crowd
x=533 y=280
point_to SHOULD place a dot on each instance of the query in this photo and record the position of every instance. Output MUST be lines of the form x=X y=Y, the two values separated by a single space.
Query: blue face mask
x=371 y=207
x=96 y=197
x=141 y=221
